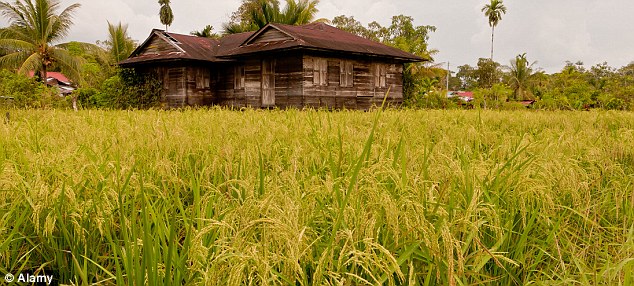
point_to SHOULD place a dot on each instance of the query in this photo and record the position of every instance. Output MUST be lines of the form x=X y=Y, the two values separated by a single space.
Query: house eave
x=333 y=51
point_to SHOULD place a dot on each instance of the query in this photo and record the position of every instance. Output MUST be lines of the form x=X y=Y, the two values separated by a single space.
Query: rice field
x=220 y=197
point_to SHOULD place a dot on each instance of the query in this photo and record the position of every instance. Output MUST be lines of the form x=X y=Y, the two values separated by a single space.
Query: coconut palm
x=494 y=11
x=165 y=13
x=119 y=43
x=34 y=28
x=207 y=32
x=520 y=73
x=255 y=14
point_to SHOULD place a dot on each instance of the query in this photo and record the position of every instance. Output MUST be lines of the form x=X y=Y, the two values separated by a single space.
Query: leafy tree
x=96 y=64
x=34 y=28
x=569 y=89
x=120 y=45
x=165 y=13
x=206 y=32
x=468 y=77
x=255 y=14
x=520 y=73
x=494 y=97
x=488 y=73
x=493 y=11
x=351 y=25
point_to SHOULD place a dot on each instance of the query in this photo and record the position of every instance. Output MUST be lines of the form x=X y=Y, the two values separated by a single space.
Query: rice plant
x=394 y=197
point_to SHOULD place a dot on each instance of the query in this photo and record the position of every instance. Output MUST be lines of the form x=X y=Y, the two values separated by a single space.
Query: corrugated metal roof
x=321 y=36
x=56 y=75
x=190 y=48
x=315 y=36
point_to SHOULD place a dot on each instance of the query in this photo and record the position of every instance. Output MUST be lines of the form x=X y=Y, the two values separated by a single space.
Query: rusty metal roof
x=320 y=36
x=186 y=48
x=315 y=36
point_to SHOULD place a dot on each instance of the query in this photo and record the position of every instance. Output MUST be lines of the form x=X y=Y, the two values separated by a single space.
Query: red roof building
x=59 y=80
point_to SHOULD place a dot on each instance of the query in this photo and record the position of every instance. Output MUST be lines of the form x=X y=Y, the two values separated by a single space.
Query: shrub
x=26 y=92
x=125 y=90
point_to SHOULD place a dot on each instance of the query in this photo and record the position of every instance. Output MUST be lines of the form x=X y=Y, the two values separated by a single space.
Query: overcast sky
x=549 y=31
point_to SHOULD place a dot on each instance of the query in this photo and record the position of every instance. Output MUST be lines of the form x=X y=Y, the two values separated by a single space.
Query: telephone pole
x=448 y=75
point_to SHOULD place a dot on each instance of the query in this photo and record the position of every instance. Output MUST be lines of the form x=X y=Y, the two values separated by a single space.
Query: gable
x=270 y=34
x=157 y=45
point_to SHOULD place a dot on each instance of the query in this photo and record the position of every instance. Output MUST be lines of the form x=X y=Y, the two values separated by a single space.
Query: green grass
x=218 y=197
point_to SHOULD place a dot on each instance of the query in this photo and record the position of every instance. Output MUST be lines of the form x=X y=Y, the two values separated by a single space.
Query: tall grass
x=218 y=197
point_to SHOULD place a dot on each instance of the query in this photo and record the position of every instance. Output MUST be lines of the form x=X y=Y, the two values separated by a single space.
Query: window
x=238 y=77
x=346 y=78
x=380 y=74
x=320 y=71
x=202 y=78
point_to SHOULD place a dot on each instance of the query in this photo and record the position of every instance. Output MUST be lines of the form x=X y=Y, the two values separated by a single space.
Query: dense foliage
x=573 y=88
x=125 y=90
x=20 y=91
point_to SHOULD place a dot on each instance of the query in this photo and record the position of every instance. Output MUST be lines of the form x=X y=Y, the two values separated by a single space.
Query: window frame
x=239 y=77
x=320 y=72
x=380 y=75
x=346 y=73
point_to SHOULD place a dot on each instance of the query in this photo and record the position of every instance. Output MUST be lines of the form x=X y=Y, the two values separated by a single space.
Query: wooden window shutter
x=320 y=71
x=383 y=75
x=377 y=75
x=342 y=73
x=238 y=77
x=349 y=74
x=316 y=73
x=324 y=72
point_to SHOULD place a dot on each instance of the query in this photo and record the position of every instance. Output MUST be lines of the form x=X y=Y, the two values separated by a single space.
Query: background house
x=314 y=65
x=58 y=80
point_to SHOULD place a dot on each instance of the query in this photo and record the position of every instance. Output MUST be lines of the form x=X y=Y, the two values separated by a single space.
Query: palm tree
x=255 y=14
x=119 y=43
x=166 y=15
x=207 y=32
x=34 y=28
x=520 y=73
x=494 y=11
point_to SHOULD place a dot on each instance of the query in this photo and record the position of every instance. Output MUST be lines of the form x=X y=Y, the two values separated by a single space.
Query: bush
x=26 y=92
x=125 y=90
x=495 y=97
x=434 y=99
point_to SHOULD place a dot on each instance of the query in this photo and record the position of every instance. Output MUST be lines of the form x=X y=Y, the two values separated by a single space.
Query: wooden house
x=314 y=65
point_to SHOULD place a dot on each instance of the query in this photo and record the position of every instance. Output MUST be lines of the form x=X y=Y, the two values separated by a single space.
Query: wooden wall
x=361 y=95
x=183 y=84
x=288 y=83
x=187 y=84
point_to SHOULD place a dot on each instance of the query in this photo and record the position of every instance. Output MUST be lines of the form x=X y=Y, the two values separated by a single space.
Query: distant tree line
x=573 y=88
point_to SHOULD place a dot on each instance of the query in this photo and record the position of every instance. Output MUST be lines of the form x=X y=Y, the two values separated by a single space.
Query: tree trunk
x=43 y=74
x=74 y=102
x=492 y=35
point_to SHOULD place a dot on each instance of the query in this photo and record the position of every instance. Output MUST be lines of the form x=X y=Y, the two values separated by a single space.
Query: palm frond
x=69 y=63
x=62 y=23
x=32 y=63
x=119 y=43
x=15 y=45
x=14 y=60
